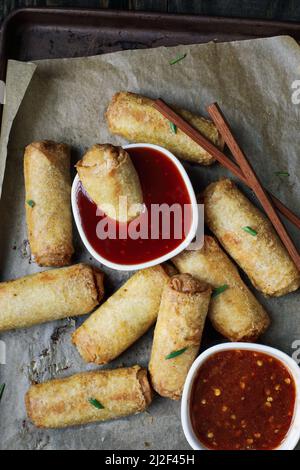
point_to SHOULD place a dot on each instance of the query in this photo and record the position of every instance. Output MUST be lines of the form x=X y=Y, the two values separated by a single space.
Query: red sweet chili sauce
x=161 y=183
x=241 y=400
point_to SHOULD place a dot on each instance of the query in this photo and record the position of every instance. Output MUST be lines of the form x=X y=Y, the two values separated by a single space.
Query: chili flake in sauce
x=242 y=399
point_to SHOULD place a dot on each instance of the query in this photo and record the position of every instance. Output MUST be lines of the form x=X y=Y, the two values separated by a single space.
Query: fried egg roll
x=48 y=207
x=233 y=311
x=250 y=239
x=178 y=332
x=88 y=397
x=50 y=295
x=134 y=118
x=123 y=318
x=108 y=174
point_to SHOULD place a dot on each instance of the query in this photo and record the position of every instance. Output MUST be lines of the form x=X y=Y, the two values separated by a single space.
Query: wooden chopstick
x=253 y=180
x=195 y=135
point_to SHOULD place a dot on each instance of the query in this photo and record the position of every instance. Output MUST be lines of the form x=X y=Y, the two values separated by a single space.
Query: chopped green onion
x=96 y=403
x=175 y=353
x=31 y=203
x=282 y=173
x=219 y=290
x=173 y=127
x=2 y=387
x=250 y=230
x=177 y=59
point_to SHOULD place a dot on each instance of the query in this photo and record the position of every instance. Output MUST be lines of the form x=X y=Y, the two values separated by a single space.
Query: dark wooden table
x=288 y=10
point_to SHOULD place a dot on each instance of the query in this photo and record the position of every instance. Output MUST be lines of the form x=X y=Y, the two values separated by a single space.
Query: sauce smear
x=242 y=400
x=161 y=183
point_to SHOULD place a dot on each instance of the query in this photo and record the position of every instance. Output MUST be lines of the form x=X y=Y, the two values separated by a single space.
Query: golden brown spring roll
x=234 y=311
x=48 y=209
x=50 y=295
x=107 y=174
x=178 y=332
x=259 y=253
x=89 y=397
x=134 y=118
x=123 y=318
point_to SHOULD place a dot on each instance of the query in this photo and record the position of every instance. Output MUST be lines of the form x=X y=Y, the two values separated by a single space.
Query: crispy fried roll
x=233 y=310
x=48 y=207
x=134 y=118
x=89 y=397
x=259 y=253
x=178 y=331
x=107 y=174
x=123 y=318
x=50 y=295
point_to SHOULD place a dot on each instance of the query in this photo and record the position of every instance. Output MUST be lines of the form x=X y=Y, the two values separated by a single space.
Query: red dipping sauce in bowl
x=242 y=400
x=164 y=182
x=242 y=396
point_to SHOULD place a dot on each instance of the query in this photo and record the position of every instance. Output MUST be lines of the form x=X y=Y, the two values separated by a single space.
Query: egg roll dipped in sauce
x=50 y=295
x=249 y=237
x=123 y=318
x=48 y=202
x=89 y=397
x=233 y=310
x=108 y=174
x=178 y=332
x=133 y=117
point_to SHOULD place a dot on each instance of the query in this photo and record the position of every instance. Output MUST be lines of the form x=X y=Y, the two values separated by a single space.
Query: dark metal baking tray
x=44 y=33
x=31 y=34
x=47 y=33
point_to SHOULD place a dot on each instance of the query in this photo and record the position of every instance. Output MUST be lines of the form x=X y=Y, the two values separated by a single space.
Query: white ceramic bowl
x=161 y=259
x=293 y=435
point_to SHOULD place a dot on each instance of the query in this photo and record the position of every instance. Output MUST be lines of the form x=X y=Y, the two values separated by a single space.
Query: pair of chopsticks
x=242 y=169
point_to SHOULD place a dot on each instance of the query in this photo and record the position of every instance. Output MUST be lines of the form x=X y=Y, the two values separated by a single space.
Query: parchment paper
x=65 y=101
x=17 y=81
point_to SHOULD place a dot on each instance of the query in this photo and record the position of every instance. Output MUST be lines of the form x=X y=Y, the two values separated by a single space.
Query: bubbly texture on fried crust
x=48 y=202
x=88 y=397
x=123 y=318
x=234 y=312
x=50 y=295
x=178 y=332
x=108 y=174
x=133 y=117
x=261 y=255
